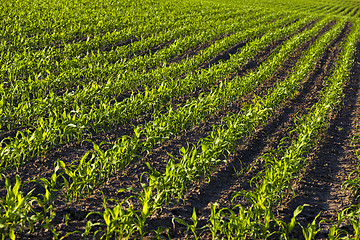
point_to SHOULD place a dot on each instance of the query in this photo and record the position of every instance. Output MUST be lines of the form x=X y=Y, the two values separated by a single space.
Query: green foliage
x=191 y=227
x=119 y=220
x=16 y=210
x=74 y=69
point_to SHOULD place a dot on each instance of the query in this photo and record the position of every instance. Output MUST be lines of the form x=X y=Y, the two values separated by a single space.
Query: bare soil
x=320 y=185
x=330 y=164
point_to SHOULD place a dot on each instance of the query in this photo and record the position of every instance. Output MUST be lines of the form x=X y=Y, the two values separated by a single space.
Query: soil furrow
x=44 y=166
x=224 y=183
x=131 y=176
x=251 y=64
x=65 y=153
x=196 y=50
x=331 y=163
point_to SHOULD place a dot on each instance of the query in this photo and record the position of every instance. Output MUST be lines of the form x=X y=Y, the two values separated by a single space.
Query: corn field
x=180 y=119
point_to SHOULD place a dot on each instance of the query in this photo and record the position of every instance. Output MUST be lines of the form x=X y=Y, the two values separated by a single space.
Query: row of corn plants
x=172 y=122
x=283 y=165
x=49 y=185
x=17 y=109
x=65 y=126
x=72 y=72
x=200 y=160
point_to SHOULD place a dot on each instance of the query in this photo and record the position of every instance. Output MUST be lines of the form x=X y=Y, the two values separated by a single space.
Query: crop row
x=283 y=165
x=79 y=70
x=64 y=126
x=18 y=115
x=71 y=73
x=193 y=163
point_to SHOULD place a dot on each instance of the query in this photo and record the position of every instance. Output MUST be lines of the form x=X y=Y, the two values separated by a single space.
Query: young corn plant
x=354 y=218
x=46 y=200
x=335 y=231
x=16 y=210
x=119 y=221
x=79 y=179
x=353 y=181
x=214 y=224
x=192 y=227
x=145 y=198
x=286 y=228
x=310 y=231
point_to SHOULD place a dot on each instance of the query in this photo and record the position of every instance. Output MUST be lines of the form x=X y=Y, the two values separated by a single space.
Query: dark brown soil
x=8 y=134
x=331 y=163
x=320 y=185
x=224 y=182
x=64 y=153
x=73 y=151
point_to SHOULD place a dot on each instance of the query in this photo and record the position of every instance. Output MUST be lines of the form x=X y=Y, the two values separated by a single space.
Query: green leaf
x=182 y=222
x=194 y=217
x=12 y=234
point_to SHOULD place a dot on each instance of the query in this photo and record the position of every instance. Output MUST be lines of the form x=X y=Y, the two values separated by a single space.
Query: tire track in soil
x=330 y=164
x=223 y=183
x=79 y=210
